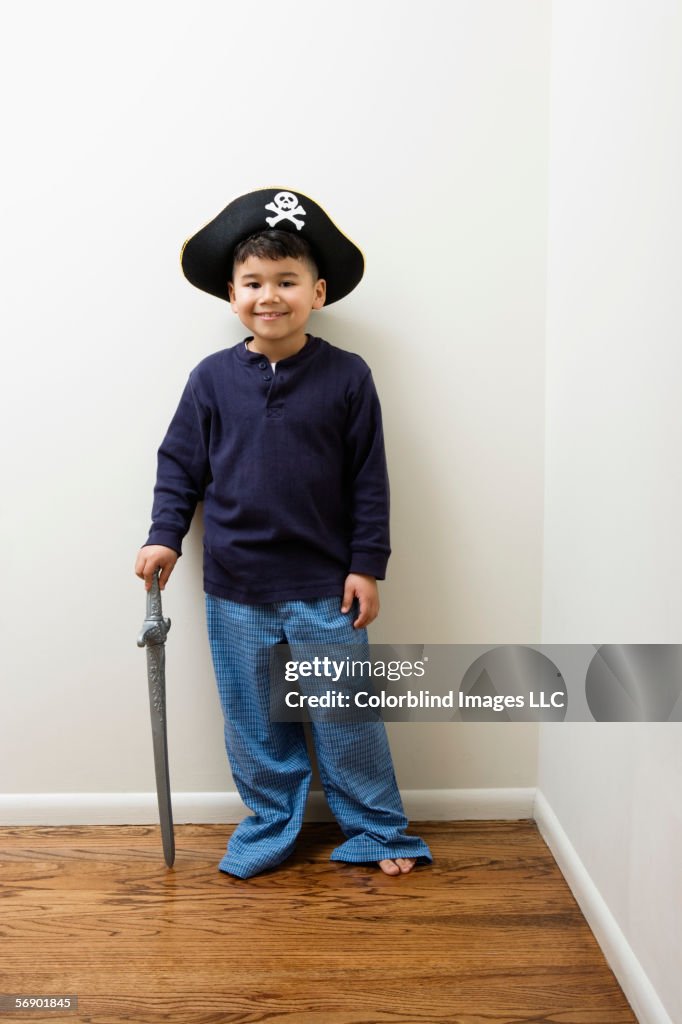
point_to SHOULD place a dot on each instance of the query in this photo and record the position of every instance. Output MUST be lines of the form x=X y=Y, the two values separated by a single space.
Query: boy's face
x=274 y=298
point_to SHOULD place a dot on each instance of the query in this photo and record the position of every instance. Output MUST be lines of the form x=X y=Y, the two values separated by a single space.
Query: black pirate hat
x=207 y=256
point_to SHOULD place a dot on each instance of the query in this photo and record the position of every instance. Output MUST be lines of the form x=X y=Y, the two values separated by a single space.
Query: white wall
x=613 y=559
x=423 y=129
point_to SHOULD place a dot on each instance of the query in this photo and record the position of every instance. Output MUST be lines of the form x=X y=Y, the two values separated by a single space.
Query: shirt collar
x=306 y=352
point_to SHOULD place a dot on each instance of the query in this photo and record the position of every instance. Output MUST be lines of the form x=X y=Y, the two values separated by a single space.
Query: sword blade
x=153 y=637
x=156 y=676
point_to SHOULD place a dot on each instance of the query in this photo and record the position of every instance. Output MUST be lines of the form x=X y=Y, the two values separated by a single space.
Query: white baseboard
x=632 y=978
x=141 y=808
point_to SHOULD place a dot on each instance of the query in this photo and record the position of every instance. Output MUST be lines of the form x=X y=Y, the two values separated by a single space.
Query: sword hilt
x=154 y=628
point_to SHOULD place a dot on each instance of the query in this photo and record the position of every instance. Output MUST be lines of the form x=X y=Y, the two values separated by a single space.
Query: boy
x=281 y=437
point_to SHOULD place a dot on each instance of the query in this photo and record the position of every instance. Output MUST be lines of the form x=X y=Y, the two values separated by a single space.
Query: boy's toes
x=397 y=866
x=389 y=867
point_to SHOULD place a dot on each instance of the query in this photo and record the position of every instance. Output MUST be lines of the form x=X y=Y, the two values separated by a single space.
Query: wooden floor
x=489 y=934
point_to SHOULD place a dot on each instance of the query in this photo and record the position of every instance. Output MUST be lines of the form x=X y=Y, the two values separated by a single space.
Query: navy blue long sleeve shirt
x=290 y=466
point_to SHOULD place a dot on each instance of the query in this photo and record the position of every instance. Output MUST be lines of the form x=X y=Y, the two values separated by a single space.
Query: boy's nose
x=270 y=293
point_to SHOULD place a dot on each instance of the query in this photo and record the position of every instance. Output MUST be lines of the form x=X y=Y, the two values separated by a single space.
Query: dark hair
x=276 y=245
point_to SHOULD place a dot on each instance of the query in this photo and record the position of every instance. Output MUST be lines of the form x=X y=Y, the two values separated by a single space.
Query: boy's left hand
x=366 y=590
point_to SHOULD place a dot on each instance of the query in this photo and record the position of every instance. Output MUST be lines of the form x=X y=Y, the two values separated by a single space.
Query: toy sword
x=153 y=637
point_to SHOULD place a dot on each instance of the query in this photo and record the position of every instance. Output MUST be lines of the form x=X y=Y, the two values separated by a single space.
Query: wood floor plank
x=489 y=934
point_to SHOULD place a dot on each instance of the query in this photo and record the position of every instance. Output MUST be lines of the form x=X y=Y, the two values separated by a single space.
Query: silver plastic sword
x=153 y=637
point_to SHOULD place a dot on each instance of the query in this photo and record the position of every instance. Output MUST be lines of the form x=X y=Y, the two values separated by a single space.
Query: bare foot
x=397 y=866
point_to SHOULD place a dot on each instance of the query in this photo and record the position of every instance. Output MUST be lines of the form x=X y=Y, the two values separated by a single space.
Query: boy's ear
x=320 y=293
x=230 y=292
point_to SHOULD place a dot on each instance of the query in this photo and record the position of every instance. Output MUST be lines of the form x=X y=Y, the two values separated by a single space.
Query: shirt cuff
x=168 y=538
x=368 y=563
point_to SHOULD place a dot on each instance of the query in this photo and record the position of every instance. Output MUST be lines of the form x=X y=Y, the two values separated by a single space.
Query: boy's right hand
x=153 y=557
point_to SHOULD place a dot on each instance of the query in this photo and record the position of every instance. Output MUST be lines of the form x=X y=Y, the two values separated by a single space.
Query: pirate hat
x=207 y=256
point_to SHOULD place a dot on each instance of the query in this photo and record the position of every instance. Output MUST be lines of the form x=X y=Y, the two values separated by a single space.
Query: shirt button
x=266 y=376
x=262 y=366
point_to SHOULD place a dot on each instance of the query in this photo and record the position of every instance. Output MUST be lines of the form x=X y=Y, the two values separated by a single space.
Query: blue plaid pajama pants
x=269 y=760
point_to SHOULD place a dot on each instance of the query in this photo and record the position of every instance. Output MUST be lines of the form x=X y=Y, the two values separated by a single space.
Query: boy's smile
x=274 y=299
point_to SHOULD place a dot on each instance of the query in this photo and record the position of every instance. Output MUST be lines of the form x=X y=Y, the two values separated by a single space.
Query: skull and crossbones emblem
x=285 y=206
